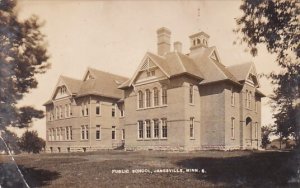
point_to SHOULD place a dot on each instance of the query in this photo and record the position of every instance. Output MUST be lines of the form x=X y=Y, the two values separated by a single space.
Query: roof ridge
x=106 y=72
x=178 y=57
x=68 y=77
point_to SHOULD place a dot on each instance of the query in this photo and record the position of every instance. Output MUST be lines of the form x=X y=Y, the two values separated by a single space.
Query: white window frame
x=164 y=124
x=140 y=124
x=98 y=106
x=123 y=134
x=192 y=127
x=98 y=128
x=232 y=97
x=148 y=129
x=232 y=128
x=114 y=130
x=191 y=94
x=164 y=96
x=140 y=99
x=156 y=122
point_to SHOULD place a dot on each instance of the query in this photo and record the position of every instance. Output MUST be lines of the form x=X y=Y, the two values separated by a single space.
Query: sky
x=114 y=36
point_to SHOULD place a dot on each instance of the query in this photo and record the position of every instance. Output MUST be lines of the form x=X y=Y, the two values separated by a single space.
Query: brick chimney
x=178 y=46
x=163 y=41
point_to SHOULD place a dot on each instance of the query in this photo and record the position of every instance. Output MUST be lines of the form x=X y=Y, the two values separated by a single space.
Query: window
x=148 y=74
x=98 y=132
x=66 y=110
x=71 y=133
x=141 y=99
x=191 y=94
x=113 y=133
x=148 y=129
x=86 y=132
x=232 y=97
x=70 y=110
x=191 y=127
x=82 y=110
x=164 y=96
x=57 y=134
x=140 y=129
x=148 y=98
x=53 y=135
x=232 y=127
x=122 y=110
x=256 y=106
x=82 y=132
x=164 y=128
x=61 y=133
x=156 y=96
x=246 y=99
x=249 y=99
x=60 y=112
x=153 y=73
x=86 y=109
x=67 y=133
x=97 y=108
x=50 y=135
x=255 y=130
x=123 y=134
x=113 y=110
x=156 y=128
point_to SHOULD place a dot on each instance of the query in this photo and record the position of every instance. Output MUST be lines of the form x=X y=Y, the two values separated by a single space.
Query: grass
x=94 y=169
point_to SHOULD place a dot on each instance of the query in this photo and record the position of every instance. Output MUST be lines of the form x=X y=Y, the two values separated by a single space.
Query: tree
x=265 y=136
x=30 y=142
x=275 y=23
x=23 y=55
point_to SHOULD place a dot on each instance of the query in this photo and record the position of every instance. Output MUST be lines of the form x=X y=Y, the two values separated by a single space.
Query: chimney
x=199 y=40
x=163 y=41
x=178 y=46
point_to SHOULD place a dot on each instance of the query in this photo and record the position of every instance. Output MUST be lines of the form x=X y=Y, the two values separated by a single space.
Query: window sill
x=192 y=138
x=122 y=117
x=192 y=104
x=98 y=139
x=151 y=139
x=84 y=140
x=153 y=107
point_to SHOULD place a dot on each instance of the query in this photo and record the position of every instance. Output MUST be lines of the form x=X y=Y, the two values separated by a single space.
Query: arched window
x=249 y=99
x=156 y=96
x=148 y=98
x=141 y=99
x=198 y=41
x=164 y=96
x=191 y=91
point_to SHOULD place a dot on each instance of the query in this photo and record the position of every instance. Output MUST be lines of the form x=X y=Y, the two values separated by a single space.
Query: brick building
x=173 y=101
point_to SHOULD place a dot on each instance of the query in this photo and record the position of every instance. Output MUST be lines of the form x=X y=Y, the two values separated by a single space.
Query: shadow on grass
x=257 y=169
x=10 y=177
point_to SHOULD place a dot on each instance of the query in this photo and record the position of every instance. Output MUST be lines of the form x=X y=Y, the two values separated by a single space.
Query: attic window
x=63 y=90
x=214 y=56
x=90 y=77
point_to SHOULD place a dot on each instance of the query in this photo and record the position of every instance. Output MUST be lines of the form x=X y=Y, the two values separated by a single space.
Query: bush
x=30 y=142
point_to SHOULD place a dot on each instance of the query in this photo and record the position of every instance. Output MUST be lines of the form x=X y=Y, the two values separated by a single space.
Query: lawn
x=94 y=169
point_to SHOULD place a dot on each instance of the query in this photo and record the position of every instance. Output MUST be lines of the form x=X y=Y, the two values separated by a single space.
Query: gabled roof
x=213 y=70
x=240 y=71
x=172 y=64
x=104 y=84
x=72 y=84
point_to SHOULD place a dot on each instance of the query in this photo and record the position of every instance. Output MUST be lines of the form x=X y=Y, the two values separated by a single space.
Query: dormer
x=199 y=40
